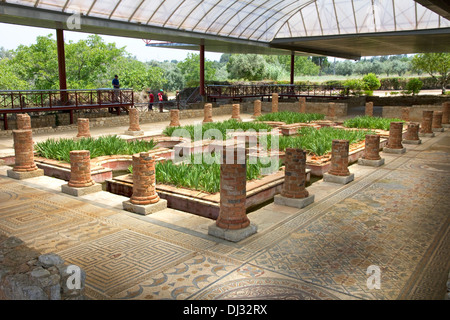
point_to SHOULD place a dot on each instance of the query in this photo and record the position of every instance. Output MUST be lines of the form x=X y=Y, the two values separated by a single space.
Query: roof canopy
x=260 y=26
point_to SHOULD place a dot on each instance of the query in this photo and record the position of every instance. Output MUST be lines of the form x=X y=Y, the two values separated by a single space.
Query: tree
x=322 y=62
x=190 y=68
x=247 y=66
x=437 y=65
x=345 y=68
x=303 y=66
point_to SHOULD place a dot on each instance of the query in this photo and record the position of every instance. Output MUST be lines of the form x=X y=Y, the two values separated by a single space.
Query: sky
x=15 y=35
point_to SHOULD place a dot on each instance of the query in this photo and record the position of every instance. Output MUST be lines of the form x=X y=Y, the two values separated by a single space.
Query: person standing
x=160 y=98
x=151 y=100
x=116 y=86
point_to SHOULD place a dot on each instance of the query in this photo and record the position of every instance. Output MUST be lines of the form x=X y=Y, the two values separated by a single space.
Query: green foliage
x=102 y=146
x=190 y=68
x=291 y=117
x=370 y=122
x=371 y=82
x=356 y=86
x=414 y=85
x=202 y=176
x=437 y=65
x=221 y=126
x=319 y=141
x=246 y=66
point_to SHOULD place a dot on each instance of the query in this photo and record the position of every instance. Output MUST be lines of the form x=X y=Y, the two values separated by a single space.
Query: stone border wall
x=311 y=107
x=25 y=274
x=415 y=111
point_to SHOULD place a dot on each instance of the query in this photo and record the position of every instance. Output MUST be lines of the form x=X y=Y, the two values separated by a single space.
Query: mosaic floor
x=394 y=217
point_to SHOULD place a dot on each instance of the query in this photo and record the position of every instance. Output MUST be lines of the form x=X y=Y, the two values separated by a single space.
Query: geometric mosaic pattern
x=114 y=261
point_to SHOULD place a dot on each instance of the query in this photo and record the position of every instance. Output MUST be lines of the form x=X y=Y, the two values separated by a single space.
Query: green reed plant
x=202 y=176
x=318 y=141
x=221 y=126
x=289 y=117
x=102 y=146
x=369 y=122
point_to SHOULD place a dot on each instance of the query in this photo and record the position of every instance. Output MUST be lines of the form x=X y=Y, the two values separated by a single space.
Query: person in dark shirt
x=116 y=86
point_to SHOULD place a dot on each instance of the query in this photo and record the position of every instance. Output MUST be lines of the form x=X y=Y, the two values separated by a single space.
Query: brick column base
x=174 y=118
x=144 y=199
x=369 y=109
x=256 y=108
x=80 y=182
x=339 y=172
x=412 y=135
x=395 y=139
x=302 y=104
x=232 y=223
x=446 y=114
x=371 y=156
x=83 y=128
x=24 y=166
x=134 y=129
x=425 y=127
x=274 y=102
x=207 y=110
x=294 y=193
x=436 y=124
x=236 y=112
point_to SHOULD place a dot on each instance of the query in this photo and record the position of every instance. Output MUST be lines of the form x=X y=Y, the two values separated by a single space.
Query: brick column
x=144 y=181
x=339 y=172
x=23 y=149
x=83 y=128
x=412 y=135
x=302 y=104
x=274 y=102
x=371 y=156
x=369 y=109
x=133 y=115
x=256 y=108
x=395 y=135
x=232 y=223
x=339 y=158
x=436 y=123
x=372 y=147
x=405 y=114
x=207 y=109
x=236 y=112
x=233 y=193
x=23 y=121
x=24 y=166
x=427 y=119
x=445 y=113
x=174 y=118
x=294 y=193
x=295 y=174
x=80 y=169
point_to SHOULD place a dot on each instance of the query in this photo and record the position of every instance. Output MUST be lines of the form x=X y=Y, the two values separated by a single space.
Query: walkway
x=394 y=217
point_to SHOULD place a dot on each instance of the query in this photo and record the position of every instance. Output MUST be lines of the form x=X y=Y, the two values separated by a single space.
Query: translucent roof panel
x=257 y=20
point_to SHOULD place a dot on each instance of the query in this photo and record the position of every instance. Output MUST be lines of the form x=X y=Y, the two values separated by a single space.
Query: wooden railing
x=215 y=92
x=20 y=101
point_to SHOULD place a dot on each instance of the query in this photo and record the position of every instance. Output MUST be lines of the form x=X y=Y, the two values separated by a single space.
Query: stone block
x=233 y=235
x=394 y=151
x=145 y=209
x=371 y=163
x=412 y=141
x=338 y=179
x=78 y=192
x=134 y=133
x=25 y=175
x=426 y=135
x=292 y=202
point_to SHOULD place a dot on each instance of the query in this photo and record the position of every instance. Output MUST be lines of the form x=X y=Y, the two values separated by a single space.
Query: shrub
x=414 y=85
x=356 y=86
x=371 y=82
